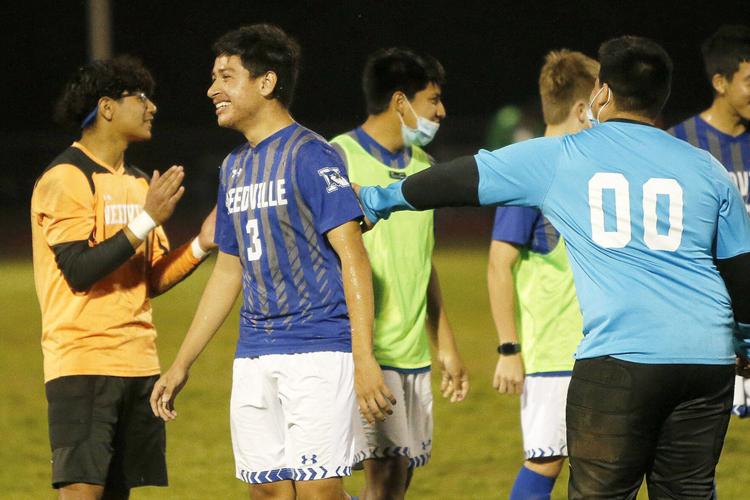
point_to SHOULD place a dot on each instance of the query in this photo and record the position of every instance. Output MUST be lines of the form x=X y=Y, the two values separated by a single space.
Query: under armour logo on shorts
x=313 y=459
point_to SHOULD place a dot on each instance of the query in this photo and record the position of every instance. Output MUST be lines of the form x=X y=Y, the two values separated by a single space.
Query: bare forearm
x=438 y=328
x=502 y=302
x=216 y=302
x=357 y=278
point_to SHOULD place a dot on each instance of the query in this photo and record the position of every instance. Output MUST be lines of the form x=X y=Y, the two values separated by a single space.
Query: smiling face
x=133 y=115
x=234 y=92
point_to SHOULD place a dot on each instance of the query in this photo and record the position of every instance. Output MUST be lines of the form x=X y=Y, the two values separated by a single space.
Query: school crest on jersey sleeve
x=334 y=179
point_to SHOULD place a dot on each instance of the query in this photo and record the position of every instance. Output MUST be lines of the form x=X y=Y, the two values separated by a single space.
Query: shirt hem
x=659 y=360
x=106 y=373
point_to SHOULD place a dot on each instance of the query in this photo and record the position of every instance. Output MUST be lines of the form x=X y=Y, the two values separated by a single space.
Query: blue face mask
x=590 y=113
x=420 y=136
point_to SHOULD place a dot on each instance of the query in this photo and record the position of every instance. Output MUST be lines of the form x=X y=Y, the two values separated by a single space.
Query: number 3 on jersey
x=256 y=249
x=621 y=236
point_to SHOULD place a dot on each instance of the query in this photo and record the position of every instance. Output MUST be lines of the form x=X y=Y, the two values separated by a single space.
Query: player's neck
x=723 y=117
x=108 y=148
x=386 y=130
x=266 y=122
x=560 y=129
x=627 y=115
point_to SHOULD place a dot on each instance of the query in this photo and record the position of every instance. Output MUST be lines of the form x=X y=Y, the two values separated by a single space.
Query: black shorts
x=102 y=431
x=629 y=420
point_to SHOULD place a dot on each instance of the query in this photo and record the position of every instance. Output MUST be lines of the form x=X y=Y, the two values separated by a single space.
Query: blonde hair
x=566 y=77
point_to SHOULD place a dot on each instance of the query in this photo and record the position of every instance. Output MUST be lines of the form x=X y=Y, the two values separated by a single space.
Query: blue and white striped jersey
x=732 y=151
x=276 y=203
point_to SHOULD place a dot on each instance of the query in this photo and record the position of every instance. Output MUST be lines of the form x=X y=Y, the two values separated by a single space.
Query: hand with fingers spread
x=454 y=384
x=164 y=191
x=373 y=396
x=509 y=374
x=165 y=391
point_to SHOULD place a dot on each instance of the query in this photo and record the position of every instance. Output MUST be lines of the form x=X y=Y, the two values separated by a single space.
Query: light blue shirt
x=643 y=215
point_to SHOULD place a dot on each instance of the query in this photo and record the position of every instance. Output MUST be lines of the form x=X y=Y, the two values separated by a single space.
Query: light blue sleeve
x=519 y=174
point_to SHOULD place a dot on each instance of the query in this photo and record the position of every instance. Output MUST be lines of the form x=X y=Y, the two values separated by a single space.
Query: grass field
x=477 y=445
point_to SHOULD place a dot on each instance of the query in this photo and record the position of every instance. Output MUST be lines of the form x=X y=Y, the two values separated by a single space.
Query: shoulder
x=420 y=154
x=317 y=151
x=70 y=166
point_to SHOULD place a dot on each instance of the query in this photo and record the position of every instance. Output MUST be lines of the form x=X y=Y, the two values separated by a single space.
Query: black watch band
x=508 y=348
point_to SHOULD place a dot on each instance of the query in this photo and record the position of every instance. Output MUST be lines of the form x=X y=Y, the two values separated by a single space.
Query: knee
x=548 y=467
x=387 y=478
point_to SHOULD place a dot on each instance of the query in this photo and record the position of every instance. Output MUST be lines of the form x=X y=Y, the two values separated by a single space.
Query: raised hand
x=164 y=191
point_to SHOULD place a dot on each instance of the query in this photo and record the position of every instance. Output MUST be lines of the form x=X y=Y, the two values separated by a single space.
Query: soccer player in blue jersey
x=722 y=129
x=289 y=237
x=652 y=225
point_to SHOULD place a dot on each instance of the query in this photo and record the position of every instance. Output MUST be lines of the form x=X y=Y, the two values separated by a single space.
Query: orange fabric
x=107 y=330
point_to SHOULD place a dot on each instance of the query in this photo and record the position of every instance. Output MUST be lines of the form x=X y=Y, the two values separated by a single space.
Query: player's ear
x=579 y=111
x=106 y=108
x=719 y=83
x=268 y=83
x=398 y=102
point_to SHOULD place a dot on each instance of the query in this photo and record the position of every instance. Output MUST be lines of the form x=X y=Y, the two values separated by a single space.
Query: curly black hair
x=102 y=78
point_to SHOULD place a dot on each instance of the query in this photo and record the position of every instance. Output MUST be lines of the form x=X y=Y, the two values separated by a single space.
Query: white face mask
x=420 y=136
x=590 y=113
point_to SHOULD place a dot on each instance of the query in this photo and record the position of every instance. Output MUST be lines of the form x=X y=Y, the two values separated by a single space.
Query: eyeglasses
x=140 y=95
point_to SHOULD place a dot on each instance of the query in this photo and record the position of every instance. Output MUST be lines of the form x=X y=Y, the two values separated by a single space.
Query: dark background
x=492 y=52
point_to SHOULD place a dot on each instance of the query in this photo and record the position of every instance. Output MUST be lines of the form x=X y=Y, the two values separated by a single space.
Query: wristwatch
x=508 y=348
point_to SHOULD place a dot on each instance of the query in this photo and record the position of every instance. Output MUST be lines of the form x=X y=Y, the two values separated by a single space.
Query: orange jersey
x=108 y=329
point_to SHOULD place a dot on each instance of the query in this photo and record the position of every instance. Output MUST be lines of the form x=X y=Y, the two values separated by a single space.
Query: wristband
x=142 y=225
x=508 y=348
x=198 y=252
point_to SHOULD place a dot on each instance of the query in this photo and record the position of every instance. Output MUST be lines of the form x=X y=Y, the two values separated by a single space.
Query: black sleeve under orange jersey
x=64 y=207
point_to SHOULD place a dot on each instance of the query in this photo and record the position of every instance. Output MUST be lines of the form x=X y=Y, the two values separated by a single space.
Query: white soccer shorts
x=741 y=403
x=406 y=433
x=543 y=416
x=291 y=416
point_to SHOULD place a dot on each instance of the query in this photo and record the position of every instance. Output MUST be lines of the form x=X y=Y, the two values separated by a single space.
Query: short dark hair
x=262 y=48
x=397 y=69
x=639 y=72
x=725 y=50
x=101 y=78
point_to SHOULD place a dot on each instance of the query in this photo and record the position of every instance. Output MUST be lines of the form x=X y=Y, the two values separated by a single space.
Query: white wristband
x=142 y=225
x=198 y=252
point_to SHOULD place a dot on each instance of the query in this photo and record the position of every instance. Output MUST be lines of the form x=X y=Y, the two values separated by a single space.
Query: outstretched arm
x=455 y=378
x=218 y=298
x=451 y=184
x=373 y=396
